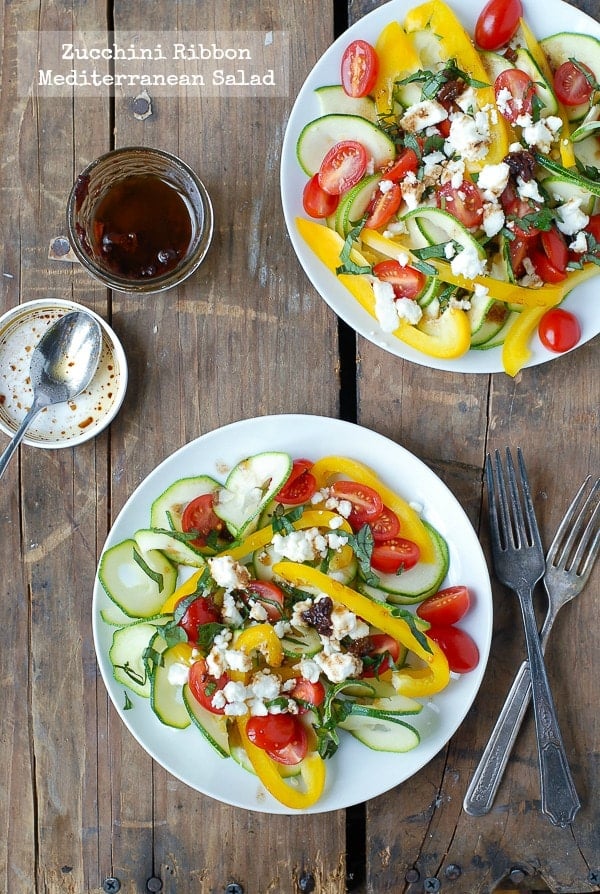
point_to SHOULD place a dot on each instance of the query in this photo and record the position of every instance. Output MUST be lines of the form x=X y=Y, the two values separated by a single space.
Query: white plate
x=355 y=773
x=547 y=17
x=72 y=422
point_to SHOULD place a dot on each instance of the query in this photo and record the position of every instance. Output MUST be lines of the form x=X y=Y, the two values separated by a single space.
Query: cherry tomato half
x=386 y=526
x=521 y=89
x=366 y=503
x=383 y=206
x=573 y=83
x=316 y=202
x=300 y=486
x=342 y=167
x=458 y=647
x=269 y=595
x=465 y=202
x=384 y=652
x=199 y=517
x=407 y=162
x=544 y=267
x=520 y=248
x=310 y=695
x=556 y=248
x=360 y=66
x=445 y=607
x=593 y=226
x=201 y=611
x=397 y=554
x=204 y=687
x=407 y=282
x=497 y=23
x=559 y=330
x=282 y=736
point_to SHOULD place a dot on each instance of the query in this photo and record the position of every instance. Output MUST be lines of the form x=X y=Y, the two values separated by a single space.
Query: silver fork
x=518 y=559
x=569 y=563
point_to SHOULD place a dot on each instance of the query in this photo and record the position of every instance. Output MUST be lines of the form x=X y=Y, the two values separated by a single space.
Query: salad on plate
x=279 y=610
x=452 y=180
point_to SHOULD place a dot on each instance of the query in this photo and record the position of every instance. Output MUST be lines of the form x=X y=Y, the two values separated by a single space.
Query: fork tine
x=567 y=525
x=532 y=525
x=497 y=486
x=561 y=554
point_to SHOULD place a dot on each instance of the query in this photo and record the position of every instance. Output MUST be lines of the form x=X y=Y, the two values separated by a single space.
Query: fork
x=569 y=563
x=518 y=559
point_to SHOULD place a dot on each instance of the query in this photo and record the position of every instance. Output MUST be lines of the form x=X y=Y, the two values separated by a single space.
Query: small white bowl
x=72 y=422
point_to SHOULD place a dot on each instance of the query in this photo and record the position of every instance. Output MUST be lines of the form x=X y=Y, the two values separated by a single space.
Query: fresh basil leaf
x=156 y=576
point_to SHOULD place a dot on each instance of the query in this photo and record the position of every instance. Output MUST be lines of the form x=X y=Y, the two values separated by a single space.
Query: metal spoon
x=62 y=366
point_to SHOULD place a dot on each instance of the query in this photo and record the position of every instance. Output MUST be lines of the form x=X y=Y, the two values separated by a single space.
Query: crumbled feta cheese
x=480 y=291
x=492 y=180
x=453 y=172
x=412 y=190
x=338 y=666
x=467 y=263
x=300 y=546
x=228 y=573
x=408 y=310
x=281 y=628
x=528 y=189
x=237 y=660
x=178 y=673
x=258 y=612
x=265 y=685
x=506 y=102
x=449 y=250
x=336 y=522
x=230 y=612
x=467 y=101
x=308 y=669
x=299 y=608
x=215 y=663
x=459 y=303
x=570 y=219
x=385 y=306
x=540 y=133
x=395 y=228
x=336 y=541
x=469 y=136
x=423 y=114
x=579 y=244
x=345 y=623
x=385 y=186
x=493 y=218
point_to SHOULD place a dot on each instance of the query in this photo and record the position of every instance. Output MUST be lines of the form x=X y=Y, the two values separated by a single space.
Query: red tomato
x=198 y=517
x=311 y=695
x=520 y=248
x=571 y=85
x=593 y=226
x=300 y=486
x=385 y=650
x=367 y=505
x=406 y=163
x=203 y=687
x=269 y=595
x=497 y=23
x=395 y=555
x=522 y=90
x=360 y=67
x=383 y=206
x=559 y=330
x=342 y=167
x=445 y=607
x=201 y=611
x=544 y=267
x=458 y=647
x=465 y=203
x=282 y=736
x=555 y=246
x=407 y=282
x=516 y=209
x=317 y=202
x=386 y=526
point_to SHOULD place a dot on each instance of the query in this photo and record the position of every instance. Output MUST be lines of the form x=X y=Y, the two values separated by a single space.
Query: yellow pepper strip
x=397 y=58
x=261 y=638
x=326 y=243
x=415 y=681
x=546 y=296
x=185 y=589
x=313 y=518
x=456 y=44
x=567 y=153
x=312 y=772
x=515 y=350
x=411 y=525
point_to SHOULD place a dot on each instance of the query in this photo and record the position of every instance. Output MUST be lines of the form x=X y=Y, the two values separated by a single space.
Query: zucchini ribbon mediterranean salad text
x=294 y=604
x=459 y=180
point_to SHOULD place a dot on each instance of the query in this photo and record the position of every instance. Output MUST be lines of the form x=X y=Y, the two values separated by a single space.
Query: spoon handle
x=19 y=434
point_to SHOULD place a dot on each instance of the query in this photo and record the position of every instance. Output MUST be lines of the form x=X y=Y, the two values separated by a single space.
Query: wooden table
x=84 y=807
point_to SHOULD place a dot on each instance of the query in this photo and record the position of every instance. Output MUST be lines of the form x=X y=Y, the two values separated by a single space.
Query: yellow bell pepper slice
x=312 y=518
x=515 y=350
x=456 y=44
x=312 y=772
x=427 y=680
x=185 y=589
x=546 y=296
x=397 y=58
x=567 y=152
x=411 y=525
x=261 y=638
x=326 y=243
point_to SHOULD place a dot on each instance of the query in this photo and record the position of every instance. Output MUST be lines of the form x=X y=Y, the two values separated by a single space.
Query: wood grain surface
x=85 y=808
